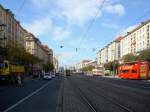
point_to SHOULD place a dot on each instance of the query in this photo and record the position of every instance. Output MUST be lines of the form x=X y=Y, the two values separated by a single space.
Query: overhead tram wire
x=21 y=7
x=137 y=19
x=90 y=26
x=92 y=22
x=140 y=17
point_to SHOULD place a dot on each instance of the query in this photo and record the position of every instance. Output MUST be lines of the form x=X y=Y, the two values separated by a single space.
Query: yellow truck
x=11 y=73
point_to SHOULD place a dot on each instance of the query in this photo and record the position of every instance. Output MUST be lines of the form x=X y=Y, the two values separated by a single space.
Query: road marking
x=27 y=97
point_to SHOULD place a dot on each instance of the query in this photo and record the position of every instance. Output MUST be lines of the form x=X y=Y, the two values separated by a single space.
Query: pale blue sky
x=64 y=22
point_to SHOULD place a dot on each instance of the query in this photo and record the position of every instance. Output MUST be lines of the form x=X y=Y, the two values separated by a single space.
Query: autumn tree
x=144 y=55
x=129 y=57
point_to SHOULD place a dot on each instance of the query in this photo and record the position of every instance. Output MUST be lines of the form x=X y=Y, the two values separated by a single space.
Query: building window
x=148 y=28
x=0 y=13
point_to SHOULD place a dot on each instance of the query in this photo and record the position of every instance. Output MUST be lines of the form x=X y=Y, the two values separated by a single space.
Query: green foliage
x=87 y=68
x=111 y=65
x=48 y=67
x=108 y=66
x=3 y=52
x=68 y=72
x=129 y=58
x=144 y=55
x=17 y=55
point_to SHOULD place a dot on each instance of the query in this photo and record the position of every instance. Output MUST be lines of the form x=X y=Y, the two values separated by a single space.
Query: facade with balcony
x=13 y=33
x=133 y=42
x=137 y=40
x=35 y=47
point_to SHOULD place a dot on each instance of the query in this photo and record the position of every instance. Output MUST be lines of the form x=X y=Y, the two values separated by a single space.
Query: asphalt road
x=98 y=94
x=77 y=94
x=35 y=95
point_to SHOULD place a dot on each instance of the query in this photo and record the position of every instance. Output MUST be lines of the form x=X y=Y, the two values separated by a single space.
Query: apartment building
x=136 y=40
x=133 y=42
x=56 y=64
x=92 y=63
x=82 y=64
x=49 y=53
x=111 y=51
x=102 y=56
x=13 y=33
x=35 y=47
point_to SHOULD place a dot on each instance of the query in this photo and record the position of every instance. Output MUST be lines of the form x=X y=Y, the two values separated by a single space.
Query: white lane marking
x=22 y=100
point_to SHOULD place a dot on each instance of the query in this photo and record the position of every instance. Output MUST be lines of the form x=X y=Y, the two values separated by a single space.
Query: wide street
x=35 y=95
x=76 y=93
x=99 y=94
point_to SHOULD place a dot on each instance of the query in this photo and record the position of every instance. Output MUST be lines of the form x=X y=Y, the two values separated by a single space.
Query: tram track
x=101 y=93
x=81 y=94
x=112 y=101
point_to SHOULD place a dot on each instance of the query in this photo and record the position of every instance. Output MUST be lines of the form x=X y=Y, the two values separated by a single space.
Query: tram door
x=143 y=71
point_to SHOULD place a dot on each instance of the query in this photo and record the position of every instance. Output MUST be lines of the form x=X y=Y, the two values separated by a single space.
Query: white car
x=53 y=75
x=47 y=76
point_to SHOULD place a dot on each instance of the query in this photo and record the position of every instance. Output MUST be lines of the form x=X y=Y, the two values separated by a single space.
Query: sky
x=82 y=27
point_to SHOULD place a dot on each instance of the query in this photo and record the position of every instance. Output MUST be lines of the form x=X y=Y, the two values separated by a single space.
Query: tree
x=112 y=66
x=108 y=66
x=88 y=68
x=144 y=55
x=48 y=67
x=3 y=53
x=129 y=57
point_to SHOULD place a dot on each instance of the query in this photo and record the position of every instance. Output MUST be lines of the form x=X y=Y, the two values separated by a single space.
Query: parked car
x=53 y=75
x=47 y=75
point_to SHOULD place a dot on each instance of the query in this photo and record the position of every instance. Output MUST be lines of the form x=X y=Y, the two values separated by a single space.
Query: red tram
x=134 y=70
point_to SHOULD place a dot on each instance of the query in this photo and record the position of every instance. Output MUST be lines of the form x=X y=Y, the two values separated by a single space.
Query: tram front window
x=134 y=71
x=125 y=71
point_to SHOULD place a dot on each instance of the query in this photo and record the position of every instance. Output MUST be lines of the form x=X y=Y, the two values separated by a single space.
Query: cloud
x=60 y=34
x=115 y=9
x=45 y=25
x=78 y=12
x=67 y=54
x=42 y=4
x=110 y=25
x=39 y=26
x=68 y=57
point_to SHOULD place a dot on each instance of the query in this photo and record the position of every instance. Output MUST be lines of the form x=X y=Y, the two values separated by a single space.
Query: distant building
x=92 y=63
x=82 y=64
x=49 y=54
x=56 y=64
x=102 y=57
